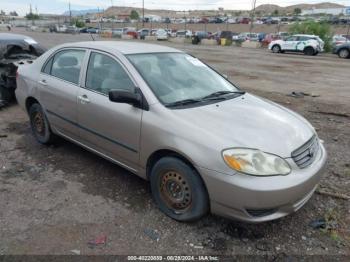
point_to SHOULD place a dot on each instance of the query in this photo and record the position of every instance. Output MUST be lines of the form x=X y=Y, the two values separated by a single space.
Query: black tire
x=5 y=94
x=189 y=199
x=309 y=51
x=40 y=125
x=344 y=53
x=276 y=49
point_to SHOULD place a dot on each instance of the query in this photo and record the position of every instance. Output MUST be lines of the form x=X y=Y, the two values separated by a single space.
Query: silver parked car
x=204 y=144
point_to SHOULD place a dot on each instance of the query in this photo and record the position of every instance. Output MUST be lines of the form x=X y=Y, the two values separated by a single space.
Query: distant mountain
x=268 y=8
x=82 y=12
x=265 y=9
x=290 y=9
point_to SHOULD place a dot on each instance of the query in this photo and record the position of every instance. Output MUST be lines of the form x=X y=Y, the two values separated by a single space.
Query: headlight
x=255 y=162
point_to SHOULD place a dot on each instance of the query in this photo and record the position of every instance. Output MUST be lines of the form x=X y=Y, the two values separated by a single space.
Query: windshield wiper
x=183 y=102
x=222 y=93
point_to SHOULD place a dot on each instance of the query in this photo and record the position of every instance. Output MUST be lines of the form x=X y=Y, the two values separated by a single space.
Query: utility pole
x=143 y=13
x=70 y=14
x=31 y=14
x=99 y=20
x=112 y=16
x=252 y=17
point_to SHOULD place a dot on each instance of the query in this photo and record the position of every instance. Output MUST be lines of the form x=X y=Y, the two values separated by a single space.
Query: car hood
x=247 y=121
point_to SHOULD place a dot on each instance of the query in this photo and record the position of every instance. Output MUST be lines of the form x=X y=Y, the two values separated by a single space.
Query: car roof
x=306 y=35
x=123 y=47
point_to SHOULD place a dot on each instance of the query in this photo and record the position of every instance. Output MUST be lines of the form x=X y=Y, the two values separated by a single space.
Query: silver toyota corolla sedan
x=203 y=143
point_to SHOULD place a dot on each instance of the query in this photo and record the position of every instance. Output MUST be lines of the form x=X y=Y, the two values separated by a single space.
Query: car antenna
x=93 y=39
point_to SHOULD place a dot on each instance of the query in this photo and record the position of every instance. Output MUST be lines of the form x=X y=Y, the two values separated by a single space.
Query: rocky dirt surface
x=57 y=199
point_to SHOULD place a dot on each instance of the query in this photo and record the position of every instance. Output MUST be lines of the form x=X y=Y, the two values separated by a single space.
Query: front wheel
x=276 y=49
x=178 y=190
x=344 y=53
x=309 y=51
x=40 y=125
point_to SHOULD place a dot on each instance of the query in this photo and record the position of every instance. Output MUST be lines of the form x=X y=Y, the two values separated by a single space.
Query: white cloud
x=21 y=9
x=89 y=3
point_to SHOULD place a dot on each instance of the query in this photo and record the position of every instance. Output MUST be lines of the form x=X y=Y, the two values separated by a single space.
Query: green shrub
x=78 y=23
x=323 y=30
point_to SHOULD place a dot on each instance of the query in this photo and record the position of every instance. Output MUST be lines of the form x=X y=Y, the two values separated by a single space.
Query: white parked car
x=61 y=28
x=307 y=44
x=5 y=26
x=162 y=34
x=246 y=36
x=184 y=33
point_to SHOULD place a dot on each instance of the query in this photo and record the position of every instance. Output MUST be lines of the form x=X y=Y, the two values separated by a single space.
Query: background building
x=328 y=11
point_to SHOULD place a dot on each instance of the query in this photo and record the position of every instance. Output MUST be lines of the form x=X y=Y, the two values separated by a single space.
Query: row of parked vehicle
x=276 y=42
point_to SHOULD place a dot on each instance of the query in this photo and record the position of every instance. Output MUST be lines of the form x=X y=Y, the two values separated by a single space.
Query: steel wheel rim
x=275 y=49
x=39 y=123
x=344 y=53
x=175 y=192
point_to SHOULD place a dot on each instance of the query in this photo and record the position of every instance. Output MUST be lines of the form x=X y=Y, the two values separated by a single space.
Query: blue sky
x=59 y=6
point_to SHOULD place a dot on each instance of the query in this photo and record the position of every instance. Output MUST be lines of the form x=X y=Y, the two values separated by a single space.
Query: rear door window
x=292 y=38
x=66 y=65
x=47 y=68
x=304 y=38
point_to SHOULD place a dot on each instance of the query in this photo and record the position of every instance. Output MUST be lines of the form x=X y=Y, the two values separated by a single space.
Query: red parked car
x=244 y=20
x=133 y=33
x=269 y=38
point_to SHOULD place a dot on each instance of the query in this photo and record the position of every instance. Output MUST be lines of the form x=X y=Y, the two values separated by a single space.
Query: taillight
x=17 y=74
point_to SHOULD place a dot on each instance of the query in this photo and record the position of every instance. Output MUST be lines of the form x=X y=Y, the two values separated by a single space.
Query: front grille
x=305 y=155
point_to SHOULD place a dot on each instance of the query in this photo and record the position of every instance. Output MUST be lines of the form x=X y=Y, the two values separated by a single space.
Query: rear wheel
x=344 y=53
x=276 y=49
x=178 y=190
x=40 y=125
x=309 y=51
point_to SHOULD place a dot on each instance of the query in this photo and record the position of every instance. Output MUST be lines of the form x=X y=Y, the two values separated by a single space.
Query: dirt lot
x=56 y=199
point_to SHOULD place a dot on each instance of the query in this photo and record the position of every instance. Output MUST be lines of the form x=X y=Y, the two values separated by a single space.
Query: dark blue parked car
x=343 y=50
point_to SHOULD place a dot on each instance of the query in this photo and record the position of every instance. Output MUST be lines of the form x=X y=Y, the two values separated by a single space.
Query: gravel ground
x=56 y=199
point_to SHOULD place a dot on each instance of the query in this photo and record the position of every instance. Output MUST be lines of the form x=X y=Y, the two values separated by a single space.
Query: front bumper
x=162 y=37
x=335 y=50
x=260 y=199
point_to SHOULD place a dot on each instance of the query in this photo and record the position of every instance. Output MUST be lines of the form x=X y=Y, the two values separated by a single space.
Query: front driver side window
x=105 y=74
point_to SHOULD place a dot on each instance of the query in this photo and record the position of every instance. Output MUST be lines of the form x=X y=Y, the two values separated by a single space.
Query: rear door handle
x=43 y=82
x=84 y=99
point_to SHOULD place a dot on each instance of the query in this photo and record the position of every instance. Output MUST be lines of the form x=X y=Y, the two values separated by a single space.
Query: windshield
x=176 y=77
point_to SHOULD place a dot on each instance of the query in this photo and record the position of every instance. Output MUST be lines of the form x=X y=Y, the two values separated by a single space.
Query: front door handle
x=84 y=99
x=43 y=82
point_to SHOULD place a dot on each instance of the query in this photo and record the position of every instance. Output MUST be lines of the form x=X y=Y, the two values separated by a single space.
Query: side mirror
x=126 y=97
